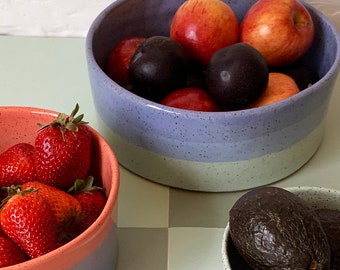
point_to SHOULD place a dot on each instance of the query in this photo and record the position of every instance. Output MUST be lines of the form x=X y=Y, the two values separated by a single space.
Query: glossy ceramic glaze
x=96 y=247
x=316 y=197
x=222 y=151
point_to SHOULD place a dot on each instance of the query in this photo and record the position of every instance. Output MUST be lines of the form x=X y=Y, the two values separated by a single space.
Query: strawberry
x=28 y=220
x=66 y=209
x=17 y=165
x=10 y=253
x=63 y=150
x=92 y=200
x=2 y=233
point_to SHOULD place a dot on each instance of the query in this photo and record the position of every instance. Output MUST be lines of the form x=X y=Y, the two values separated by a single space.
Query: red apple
x=203 y=27
x=281 y=30
x=117 y=67
x=280 y=86
x=190 y=98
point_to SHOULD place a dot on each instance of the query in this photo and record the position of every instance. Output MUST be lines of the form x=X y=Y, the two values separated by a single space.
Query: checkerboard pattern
x=161 y=228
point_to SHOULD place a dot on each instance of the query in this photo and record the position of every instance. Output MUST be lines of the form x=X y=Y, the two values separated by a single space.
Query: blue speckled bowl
x=220 y=151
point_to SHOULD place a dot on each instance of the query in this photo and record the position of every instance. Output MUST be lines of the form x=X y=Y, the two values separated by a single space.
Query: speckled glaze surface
x=96 y=247
x=223 y=151
x=316 y=197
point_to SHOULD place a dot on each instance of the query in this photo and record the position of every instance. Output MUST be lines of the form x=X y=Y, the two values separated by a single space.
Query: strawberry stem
x=65 y=122
x=81 y=185
x=14 y=190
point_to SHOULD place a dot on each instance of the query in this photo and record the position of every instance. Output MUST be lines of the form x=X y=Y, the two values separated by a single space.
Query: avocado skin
x=330 y=222
x=235 y=259
x=274 y=229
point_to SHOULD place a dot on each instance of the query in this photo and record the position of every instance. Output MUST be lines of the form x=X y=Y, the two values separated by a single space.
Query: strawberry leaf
x=81 y=185
x=65 y=122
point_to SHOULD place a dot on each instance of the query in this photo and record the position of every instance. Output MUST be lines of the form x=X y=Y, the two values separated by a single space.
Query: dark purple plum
x=236 y=75
x=158 y=67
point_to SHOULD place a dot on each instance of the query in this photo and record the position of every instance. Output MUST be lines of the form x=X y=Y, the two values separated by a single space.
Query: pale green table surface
x=159 y=228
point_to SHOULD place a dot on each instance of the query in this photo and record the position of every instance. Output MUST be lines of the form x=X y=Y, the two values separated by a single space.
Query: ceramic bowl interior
x=96 y=247
x=316 y=197
x=219 y=151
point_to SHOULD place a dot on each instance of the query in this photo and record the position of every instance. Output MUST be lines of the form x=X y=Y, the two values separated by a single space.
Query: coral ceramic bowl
x=96 y=247
x=219 y=151
x=316 y=197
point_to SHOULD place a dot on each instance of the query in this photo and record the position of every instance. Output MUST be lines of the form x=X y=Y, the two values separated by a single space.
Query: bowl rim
x=111 y=202
x=293 y=189
x=140 y=101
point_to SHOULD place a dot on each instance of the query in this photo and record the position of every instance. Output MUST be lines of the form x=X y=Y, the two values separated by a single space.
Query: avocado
x=236 y=261
x=330 y=222
x=273 y=228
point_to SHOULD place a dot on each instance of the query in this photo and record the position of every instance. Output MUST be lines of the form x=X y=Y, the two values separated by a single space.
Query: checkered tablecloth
x=164 y=228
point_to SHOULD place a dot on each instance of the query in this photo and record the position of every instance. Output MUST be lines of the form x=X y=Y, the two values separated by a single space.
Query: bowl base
x=213 y=176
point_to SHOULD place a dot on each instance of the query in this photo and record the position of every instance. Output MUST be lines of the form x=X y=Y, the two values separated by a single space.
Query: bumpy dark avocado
x=330 y=222
x=274 y=229
x=235 y=259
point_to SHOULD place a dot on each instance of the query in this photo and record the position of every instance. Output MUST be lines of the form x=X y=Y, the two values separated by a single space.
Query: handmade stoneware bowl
x=218 y=151
x=316 y=197
x=96 y=247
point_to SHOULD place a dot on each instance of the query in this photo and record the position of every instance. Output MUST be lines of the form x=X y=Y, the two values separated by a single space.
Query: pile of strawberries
x=48 y=198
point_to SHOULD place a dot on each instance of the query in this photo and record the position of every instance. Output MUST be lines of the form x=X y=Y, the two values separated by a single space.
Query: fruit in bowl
x=62 y=225
x=280 y=86
x=203 y=28
x=236 y=76
x=119 y=60
x=190 y=98
x=235 y=69
x=157 y=67
x=282 y=31
x=283 y=228
x=208 y=151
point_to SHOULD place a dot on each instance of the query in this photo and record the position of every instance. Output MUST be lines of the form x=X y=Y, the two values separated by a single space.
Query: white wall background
x=72 y=18
x=49 y=17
